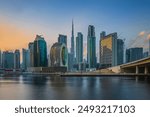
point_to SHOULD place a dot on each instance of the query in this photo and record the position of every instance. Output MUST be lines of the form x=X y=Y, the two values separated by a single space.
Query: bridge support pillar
x=146 y=72
x=137 y=70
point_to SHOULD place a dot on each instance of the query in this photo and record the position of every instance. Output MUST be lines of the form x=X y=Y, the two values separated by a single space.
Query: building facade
x=17 y=59
x=72 y=40
x=133 y=54
x=79 y=48
x=111 y=50
x=25 y=59
x=120 y=51
x=62 y=39
x=40 y=52
x=91 y=47
x=0 y=59
x=8 y=60
x=59 y=55
x=31 y=54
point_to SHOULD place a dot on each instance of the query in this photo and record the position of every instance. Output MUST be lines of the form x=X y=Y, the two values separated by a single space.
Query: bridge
x=141 y=66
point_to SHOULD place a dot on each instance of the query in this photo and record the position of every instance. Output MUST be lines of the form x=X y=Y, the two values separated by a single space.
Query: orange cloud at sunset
x=12 y=37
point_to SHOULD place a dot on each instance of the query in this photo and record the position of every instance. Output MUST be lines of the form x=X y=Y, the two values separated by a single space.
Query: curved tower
x=59 y=55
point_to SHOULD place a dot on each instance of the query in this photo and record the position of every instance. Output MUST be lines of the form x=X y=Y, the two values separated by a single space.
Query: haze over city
x=21 y=20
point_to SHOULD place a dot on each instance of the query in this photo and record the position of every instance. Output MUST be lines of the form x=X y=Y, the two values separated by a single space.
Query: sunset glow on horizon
x=22 y=20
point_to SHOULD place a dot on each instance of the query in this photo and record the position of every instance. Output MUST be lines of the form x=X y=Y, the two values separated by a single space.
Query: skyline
x=22 y=20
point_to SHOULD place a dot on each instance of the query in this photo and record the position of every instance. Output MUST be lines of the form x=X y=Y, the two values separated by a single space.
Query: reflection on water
x=37 y=87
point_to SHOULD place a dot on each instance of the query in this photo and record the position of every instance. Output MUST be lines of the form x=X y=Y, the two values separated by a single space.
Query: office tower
x=91 y=47
x=25 y=59
x=0 y=59
x=40 y=52
x=79 y=48
x=111 y=50
x=120 y=51
x=8 y=60
x=133 y=54
x=17 y=59
x=72 y=39
x=102 y=34
x=31 y=54
x=70 y=64
x=62 y=39
x=59 y=55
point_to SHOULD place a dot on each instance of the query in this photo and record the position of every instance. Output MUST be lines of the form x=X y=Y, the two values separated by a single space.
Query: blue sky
x=53 y=17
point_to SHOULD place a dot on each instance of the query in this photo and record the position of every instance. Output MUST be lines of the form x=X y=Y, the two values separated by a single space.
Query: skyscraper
x=17 y=59
x=120 y=51
x=79 y=48
x=8 y=60
x=71 y=56
x=111 y=50
x=59 y=55
x=31 y=54
x=0 y=59
x=62 y=39
x=40 y=52
x=91 y=47
x=25 y=59
x=72 y=39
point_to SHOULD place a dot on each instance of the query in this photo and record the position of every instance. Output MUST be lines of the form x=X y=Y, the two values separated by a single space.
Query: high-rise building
x=133 y=54
x=40 y=52
x=31 y=54
x=62 y=39
x=72 y=39
x=0 y=59
x=71 y=55
x=59 y=55
x=79 y=48
x=102 y=34
x=70 y=64
x=8 y=60
x=17 y=59
x=120 y=51
x=91 y=47
x=111 y=50
x=25 y=59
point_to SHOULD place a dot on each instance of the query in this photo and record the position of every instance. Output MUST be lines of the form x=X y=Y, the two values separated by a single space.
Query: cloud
x=142 y=33
x=148 y=36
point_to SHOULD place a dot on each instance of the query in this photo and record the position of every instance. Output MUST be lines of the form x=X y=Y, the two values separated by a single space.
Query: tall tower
x=91 y=47
x=40 y=52
x=17 y=59
x=72 y=40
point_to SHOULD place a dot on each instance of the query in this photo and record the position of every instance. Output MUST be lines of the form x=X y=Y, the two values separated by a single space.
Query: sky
x=21 y=20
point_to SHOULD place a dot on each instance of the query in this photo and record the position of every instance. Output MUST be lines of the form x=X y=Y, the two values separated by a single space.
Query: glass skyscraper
x=31 y=54
x=8 y=60
x=79 y=48
x=62 y=39
x=91 y=47
x=17 y=59
x=59 y=55
x=40 y=52
x=0 y=59
x=25 y=59
x=111 y=50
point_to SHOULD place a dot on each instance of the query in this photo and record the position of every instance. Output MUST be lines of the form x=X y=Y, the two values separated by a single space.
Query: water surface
x=40 y=87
